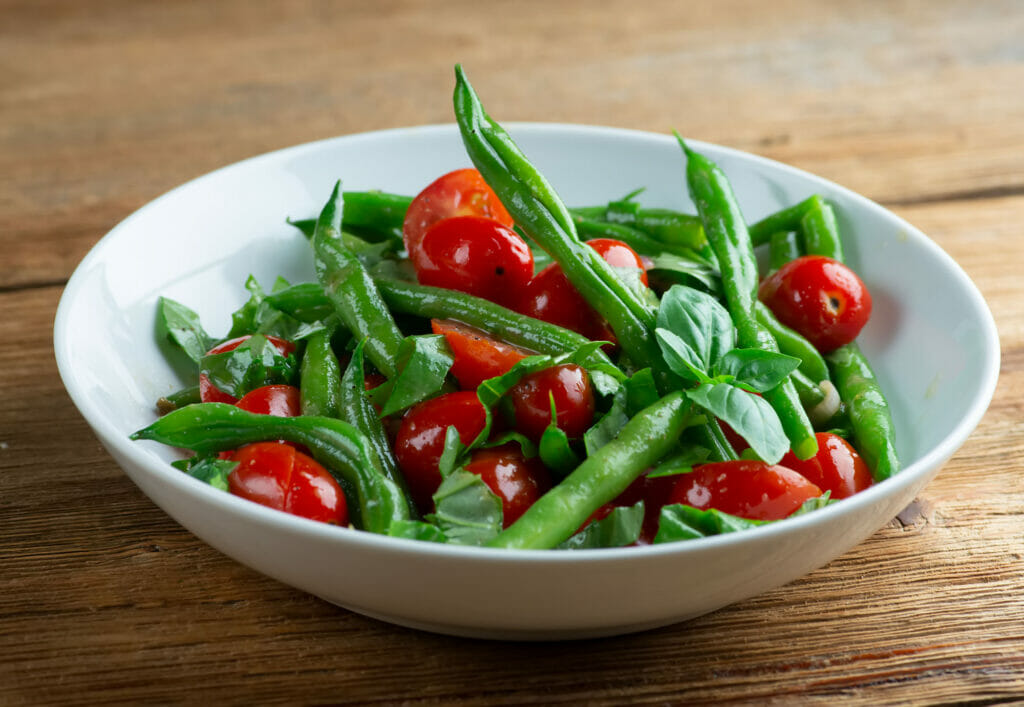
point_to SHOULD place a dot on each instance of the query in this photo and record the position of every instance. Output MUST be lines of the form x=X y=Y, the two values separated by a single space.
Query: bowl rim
x=137 y=453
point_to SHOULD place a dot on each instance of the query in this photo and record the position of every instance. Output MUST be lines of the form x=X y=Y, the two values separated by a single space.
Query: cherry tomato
x=820 y=298
x=420 y=439
x=550 y=296
x=654 y=493
x=836 y=467
x=569 y=386
x=277 y=400
x=276 y=475
x=516 y=480
x=475 y=255
x=460 y=193
x=478 y=355
x=209 y=393
x=619 y=255
x=749 y=489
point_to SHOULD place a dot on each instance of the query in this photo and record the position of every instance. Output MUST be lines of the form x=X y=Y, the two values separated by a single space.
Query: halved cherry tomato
x=475 y=255
x=836 y=467
x=820 y=298
x=208 y=392
x=569 y=386
x=749 y=489
x=277 y=400
x=420 y=439
x=276 y=475
x=478 y=355
x=460 y=193
x=550 y=296
x=619 y=255
x=513 y=478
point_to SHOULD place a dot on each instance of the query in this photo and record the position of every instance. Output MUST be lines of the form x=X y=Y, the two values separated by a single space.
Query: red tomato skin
x=749 y=489
x=550 y=297
x=820 y=298
x=315 y=494
x=513 y=478
x=654 y=493
x=263 y=474
x=277 y=400
x=460 y=193
x=569 y=385
x=478 y=355
x=475 y=255
x=420 y=439
x=836 y=467
x=209 y=393
x=619 y=255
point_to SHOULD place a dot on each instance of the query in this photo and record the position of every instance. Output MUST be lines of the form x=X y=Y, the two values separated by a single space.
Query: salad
x=481 y=365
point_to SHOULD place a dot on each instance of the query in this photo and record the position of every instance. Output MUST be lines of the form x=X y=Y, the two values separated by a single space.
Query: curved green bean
x=320 y=377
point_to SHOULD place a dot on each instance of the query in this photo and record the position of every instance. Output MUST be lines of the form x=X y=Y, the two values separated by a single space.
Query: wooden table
x=105 y=105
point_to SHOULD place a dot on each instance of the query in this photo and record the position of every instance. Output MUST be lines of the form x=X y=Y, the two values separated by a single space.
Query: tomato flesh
x=749 y=489
x=569 y=386
x=619 y=255
x=513 y=478
x=275 y=475
x=836 y=467
x=420 y=439
x=478 y=355
x=460 y=193
x=820 y=298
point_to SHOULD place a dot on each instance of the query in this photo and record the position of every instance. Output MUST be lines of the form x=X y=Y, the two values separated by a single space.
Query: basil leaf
x=681 y=462
x=813 y=504
x=454 y=452
x=180 y=326
x=679 y=522
x=619 y=528
x=641 y=391
x=681 y=358
x=555 y=452
x=526 y=445
x=416 y=530
x=423 y=363
x=750 y=416
x=761 y=370
x=254 y=364
x=700 y=321
x=607 y=428
x=258 y=316
x=468 y=512
x=671 y=269
x=208 y=469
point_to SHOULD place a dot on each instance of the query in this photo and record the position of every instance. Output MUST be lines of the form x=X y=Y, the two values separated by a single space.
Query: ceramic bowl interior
x=932 y=342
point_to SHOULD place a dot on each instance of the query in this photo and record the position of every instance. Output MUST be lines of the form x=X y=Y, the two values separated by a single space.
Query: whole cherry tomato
x=478 y=355
x=836 y=467
x=460 y=193
x=820 y=298
x=619 y=255
x=277 y=400
x=550 y=296
x=475 y=255
x=276 y=475
x=749 y=489
x=569 y=386
x=420 y=439
x=655 y=494
x=513 y=478
x=209 y=393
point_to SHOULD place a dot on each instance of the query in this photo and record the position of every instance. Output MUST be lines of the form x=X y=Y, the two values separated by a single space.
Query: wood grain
x=105 y=105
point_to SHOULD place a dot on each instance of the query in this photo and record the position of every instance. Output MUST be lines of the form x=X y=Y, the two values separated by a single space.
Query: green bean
x=208 y=428
x=304 y=301
x=808 y=390
x=787 y=219
x=358 y=411
x=539 y=211
x=667 y=226
x=178 y=399
x=867 y=408
x=367 y=211
x=793 y=344
x=711 y=437
x=783 y=247
x=635 y=238
x=351 y=290
x=727 y=233
x=820 y=230
x=605 y=474
x=320 y=377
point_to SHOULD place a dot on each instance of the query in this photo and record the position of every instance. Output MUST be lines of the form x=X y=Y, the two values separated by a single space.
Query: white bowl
x=932 y=342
